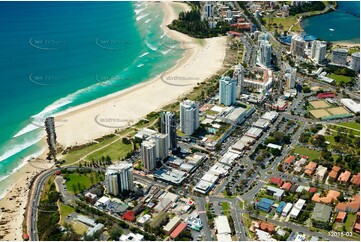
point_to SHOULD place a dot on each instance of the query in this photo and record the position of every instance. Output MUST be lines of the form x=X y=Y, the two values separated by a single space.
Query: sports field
x=338 y=110
x=319 y=104
x=319 y=113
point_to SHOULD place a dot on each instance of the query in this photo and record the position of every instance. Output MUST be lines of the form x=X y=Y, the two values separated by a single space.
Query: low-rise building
x=286 y=186
x=173 y=223
x=334 y=173
x=297 y=207
x=271 y=116
x=320 y=173
x=221 y=225
x=144 y=219
x=351 y=105
x=276 y=181
x=275 y=192
x=287 y=209
x=179 y=229
x=356 y=180
x=341 y=217
x=331 y=197
x=194 y=223
x=131 y=237
x=344 y=177
x=262 y=123
x=351 y=206
x=310 y=168
x=265 y=204
x=254 y=132
x=288 y=162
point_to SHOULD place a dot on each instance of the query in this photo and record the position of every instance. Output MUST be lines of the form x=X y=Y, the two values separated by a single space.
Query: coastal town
x=266 y=149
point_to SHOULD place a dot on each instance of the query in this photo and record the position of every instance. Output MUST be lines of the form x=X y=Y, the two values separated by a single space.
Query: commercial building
x=355 y=62
x=318 y=51
x=194 y=223
x=173 y=223
x=271 y=116
x=221 y=225
x=172 y=176
x=180 y=228
x=321 y=213
x=189 y=117
x=119 y=178
x=260 y=84
x=227 y=91
x=262 y=123
x=339 y=56
x=254 y=132
x=351 y=105
x=297 y=207
x=149 y=155
x=169 y=127
x=298 y=45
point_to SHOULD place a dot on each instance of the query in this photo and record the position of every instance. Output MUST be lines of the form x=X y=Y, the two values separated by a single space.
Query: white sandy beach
x=126 y=107
x=100 y=117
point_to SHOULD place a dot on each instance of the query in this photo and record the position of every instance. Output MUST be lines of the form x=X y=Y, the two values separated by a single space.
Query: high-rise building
x=189 y=117
x=355 y=62
x=339 y=56
x=161 y=145
x=318 y=51
x=291 y=75
x=119 y=178
x=298 y=45
x=169 y=126
x=51 y=136
x=238 y=74
x=265 y=53
x=262 y=37
x=149 y=154
x=227 y=90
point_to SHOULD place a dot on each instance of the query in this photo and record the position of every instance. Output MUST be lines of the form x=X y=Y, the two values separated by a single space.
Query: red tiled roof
x=129 y=215
x=326 y=95
x=267 y=227
x=178 y=230
x=341 y=215
x=312 y=189
x=345 y=176
x=287 y=186
x=356 y=179
x=290 y=159
x=276 y=180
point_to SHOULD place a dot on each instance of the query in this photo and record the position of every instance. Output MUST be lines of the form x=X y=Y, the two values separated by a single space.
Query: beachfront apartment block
x=339 y=56
x=119 y=178
x=189 y=117
x=149 y=155
x=318 y=51
x=227 y=90
x=169 y=127
x=298 y=45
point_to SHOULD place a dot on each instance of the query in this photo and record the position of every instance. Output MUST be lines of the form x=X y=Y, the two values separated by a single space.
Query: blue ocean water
x=57 y=55
x=345 y=21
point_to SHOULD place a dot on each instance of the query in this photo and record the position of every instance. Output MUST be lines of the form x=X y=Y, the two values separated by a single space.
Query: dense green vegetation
x=190 y=23
x=48 y=216
x=82 y=179
x=307 y=7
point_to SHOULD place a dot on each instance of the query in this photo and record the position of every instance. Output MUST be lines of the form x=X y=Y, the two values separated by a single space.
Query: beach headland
x=201 y=59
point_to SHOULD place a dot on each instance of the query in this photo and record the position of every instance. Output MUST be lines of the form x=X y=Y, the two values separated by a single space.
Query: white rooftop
x=222 y=225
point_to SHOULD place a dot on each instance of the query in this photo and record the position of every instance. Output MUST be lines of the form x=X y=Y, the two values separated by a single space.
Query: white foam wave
x=164 y=52
x=150 y=46
x=144 y=54
x=148 y=20
x=12 y=150
x=138 y=11
x=142 y=16
x=140 y=65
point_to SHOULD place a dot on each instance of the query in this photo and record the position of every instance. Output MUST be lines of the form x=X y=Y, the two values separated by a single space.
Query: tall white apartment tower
x=162 y=145
x=227 y=90
x=238 y=74
x=208 y=10
x=189 y=117
x=119 y=178
x=265 y=52
x=149 y=155
x=291 y=75
x=318 y=51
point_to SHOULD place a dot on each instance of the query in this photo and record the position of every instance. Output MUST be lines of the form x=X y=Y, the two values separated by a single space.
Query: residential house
x=356 y=180
x=275 y=192
x=320 y=173
x=276 y=181
x=310 y=168
x=341 y=217
x=288 y=162
x=297 y=167
x=334 y=173
x=356 y=225
x=332 y=196
x=353 y=205
x=286 y=186
x=344 y=177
